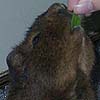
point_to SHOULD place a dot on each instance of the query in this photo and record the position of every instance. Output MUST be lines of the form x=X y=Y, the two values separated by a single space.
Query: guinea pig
x=53 y=62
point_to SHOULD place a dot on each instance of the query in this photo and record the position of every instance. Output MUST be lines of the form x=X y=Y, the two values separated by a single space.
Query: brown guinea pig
x=52 y=62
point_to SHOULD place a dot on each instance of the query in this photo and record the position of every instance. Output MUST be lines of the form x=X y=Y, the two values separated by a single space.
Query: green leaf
x=76 y=21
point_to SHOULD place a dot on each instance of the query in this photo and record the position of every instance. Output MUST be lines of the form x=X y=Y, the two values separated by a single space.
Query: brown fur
x=58 y=67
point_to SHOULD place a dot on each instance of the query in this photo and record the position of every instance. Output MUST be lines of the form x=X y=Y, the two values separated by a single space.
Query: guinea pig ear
x=36 y=39
x=14 y=61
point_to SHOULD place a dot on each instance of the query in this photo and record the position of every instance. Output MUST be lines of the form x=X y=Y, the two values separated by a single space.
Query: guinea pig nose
x=63 y=6
x=62 y=9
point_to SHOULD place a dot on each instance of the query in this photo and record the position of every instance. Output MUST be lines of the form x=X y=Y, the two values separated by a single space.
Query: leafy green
x=76 y=20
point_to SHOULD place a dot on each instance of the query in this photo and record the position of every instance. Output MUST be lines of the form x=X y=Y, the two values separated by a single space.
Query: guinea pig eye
x=36 y=39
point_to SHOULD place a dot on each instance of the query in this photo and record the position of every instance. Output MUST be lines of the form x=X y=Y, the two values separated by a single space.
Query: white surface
x=15 y=18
